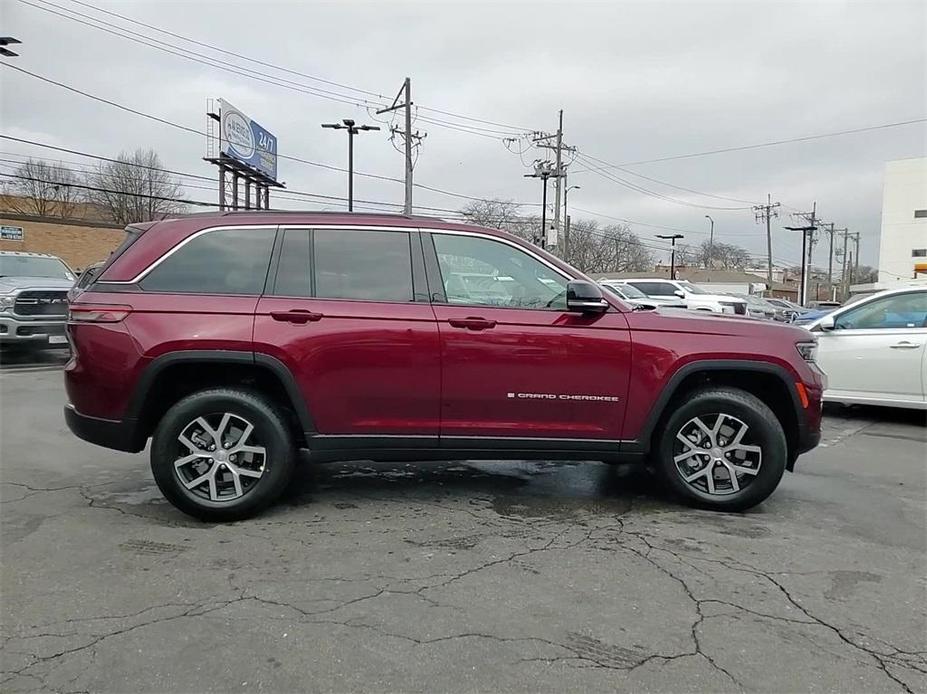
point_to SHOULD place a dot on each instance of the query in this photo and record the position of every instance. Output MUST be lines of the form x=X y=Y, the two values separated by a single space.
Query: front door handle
x=905 y=345
x=296 y=315
x=472 y=323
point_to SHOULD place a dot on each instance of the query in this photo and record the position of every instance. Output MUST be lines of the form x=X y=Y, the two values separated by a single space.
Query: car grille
x=41 y=303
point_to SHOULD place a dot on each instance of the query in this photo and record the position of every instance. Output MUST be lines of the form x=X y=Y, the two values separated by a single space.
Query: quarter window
x=363 y=265
x=896 y=311
x=225 y=261
x=481 y=271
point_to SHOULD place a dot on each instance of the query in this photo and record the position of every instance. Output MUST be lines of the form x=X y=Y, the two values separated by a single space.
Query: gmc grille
x=41 y=303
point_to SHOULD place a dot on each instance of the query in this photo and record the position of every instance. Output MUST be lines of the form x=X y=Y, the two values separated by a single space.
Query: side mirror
x=826 y=323
x=585 y=297
x=681 y=294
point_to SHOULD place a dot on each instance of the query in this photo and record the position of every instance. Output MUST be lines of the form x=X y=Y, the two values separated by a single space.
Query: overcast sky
x=636 y=81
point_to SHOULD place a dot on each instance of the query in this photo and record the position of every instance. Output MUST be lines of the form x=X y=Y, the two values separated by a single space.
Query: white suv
x=693 y=297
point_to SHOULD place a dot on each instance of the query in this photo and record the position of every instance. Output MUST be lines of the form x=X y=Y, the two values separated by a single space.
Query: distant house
x=732 y=281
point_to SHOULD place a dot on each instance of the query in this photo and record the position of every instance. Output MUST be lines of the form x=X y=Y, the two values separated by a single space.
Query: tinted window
x=897 y=311
x=480 y=271
x=367 y=265
x=293 y=278
x=227 y=261
x=655 y=288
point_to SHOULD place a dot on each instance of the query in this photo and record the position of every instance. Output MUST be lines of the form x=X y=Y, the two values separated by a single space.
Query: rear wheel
x=723 y=449
x=222 y=454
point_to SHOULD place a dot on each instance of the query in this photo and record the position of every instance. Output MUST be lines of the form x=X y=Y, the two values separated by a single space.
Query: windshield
x=691 y=288
x=32 y=266
x=631 y=292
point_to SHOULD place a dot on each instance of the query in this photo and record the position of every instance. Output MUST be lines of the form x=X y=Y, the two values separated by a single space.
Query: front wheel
x=723 y=449
x=222 y=454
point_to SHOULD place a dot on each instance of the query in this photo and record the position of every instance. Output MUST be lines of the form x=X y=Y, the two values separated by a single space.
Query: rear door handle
x=905 y=345
x=472 y=323
x=296 y=315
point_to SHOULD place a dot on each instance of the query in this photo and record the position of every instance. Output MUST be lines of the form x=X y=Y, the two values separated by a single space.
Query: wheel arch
x=771 y=383
x=170 y=377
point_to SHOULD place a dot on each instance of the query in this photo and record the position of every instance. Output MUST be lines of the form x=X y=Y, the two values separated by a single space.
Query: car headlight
x=808 y=351
x=6 y=302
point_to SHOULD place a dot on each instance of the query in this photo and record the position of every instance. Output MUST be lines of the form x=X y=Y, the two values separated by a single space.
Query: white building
x=903 y=242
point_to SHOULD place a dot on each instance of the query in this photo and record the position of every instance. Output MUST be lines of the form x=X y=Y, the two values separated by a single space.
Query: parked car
x=811 y=316
x=873 y=350
x=635 y=297
x=694 y=297
x=788 y=310
x=33 y=299
x=758 y=307
x=232 y=339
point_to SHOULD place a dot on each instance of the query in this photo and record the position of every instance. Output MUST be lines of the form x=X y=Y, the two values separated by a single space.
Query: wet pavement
x=461 y=576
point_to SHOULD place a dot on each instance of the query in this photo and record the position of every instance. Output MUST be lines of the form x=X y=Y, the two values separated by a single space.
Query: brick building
x=80 y=240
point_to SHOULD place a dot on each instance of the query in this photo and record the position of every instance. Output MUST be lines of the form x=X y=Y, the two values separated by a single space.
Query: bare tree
x=613 y=248
x=723 y=256
x=495 y=214
x=135 y=188
x=44 y=188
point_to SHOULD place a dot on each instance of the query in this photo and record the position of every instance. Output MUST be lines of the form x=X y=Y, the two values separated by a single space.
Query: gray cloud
x=636 y=80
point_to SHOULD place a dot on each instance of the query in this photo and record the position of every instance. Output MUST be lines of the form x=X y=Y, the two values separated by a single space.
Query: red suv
x=234 y=339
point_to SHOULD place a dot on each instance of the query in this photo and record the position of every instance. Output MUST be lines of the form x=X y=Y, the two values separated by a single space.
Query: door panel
x=363 y=367
x=365 y=355
x=874 y=363
x=534 y=373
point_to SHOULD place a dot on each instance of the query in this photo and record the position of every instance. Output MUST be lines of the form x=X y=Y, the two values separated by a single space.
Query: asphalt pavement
x=463 y=576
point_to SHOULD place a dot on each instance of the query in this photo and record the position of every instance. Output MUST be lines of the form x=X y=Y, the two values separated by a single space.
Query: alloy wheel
x=219 y=457
x=713 y=454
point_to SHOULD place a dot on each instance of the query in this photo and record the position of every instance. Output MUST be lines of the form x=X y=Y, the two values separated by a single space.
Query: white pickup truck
x=33 y=299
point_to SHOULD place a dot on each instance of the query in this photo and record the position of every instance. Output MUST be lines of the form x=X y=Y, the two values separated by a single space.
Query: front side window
x=692 y=288
x=362 y=265
x=481 y=271
x=224 y=261
x=897 y=311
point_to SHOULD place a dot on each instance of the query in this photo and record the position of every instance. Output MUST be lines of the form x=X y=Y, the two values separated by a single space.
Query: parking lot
x=461 y=576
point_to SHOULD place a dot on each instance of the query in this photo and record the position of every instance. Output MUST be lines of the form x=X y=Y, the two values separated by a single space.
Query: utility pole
x=807 y=243
x=766 y=213
x=346 y=124
x=829 y=226
x=844 y=285
x=544 y=171
x=559 y=170
x=856 y=257
x=405 y=93
x=672 y=239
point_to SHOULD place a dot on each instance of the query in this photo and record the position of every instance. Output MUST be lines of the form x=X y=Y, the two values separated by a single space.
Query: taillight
x=97 y=313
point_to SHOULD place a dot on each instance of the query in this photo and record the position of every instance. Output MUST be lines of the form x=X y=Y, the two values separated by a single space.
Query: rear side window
x=654 y=288
x=225 y=261
x=364 y=265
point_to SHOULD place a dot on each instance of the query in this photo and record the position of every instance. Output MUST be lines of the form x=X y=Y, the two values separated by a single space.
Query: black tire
x=764 y=431
x=270 y=430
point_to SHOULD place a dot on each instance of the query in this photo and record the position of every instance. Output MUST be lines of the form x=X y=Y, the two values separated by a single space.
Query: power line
x=288 y=70
x=645 y=191
x=774 y=143
x=657 y=180
x=240 y=70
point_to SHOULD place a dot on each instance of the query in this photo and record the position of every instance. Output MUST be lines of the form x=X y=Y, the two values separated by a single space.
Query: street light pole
x=672 y=239
x=566 y=221
x=348 y=124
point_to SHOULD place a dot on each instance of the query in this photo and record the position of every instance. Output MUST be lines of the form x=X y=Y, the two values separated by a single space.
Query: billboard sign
x=11 y=233
x=245 y=141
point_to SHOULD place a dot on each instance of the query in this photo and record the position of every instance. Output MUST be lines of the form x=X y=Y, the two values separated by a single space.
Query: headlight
x=808 y=351
x=6 y=302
